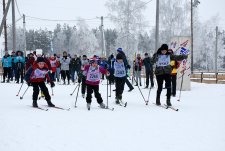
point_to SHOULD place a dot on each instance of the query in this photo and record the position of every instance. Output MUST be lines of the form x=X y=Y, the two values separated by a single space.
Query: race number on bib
x=163 y=60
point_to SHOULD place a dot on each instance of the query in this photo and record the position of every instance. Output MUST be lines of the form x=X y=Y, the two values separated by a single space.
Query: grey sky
x=72 y=9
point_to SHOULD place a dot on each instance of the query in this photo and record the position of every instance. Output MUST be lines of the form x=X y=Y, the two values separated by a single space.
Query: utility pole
x=128 y=25
x=24 y=34
x=102 y=36
x=5 y=27
x=157 y=26
x=192 y=36
x=193 y=4
x=216 y=51
x=13 y=25
x=4 y=16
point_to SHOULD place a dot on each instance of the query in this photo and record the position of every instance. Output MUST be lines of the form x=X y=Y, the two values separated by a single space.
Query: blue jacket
x=19 y=59
x=7 y=61
x=19 y=62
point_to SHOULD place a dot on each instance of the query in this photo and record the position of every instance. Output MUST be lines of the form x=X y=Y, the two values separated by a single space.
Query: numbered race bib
x=163 y=60
x=53 y=63
x=93 y=75
x=120 y=70
x=39 y=74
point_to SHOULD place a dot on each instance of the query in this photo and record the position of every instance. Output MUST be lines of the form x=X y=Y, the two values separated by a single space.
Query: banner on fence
x=182 y=45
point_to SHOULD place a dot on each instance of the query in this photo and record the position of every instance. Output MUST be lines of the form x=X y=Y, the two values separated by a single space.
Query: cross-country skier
x=120 y=74
x=163 y=71
x=35 y=76
x=92 y=73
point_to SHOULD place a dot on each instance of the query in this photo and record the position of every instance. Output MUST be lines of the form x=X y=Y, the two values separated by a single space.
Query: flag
x=184 y=51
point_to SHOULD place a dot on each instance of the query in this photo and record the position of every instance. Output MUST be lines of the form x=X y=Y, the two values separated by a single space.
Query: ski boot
x=102 y=105
x=35 y=103
x=50 y=103
x=117 y=101
x=168 y=102
x=158 y=101
x=83 y=95
x=88 y=106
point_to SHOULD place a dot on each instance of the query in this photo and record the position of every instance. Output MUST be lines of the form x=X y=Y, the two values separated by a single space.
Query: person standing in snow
x=137 y=68
x=163 y=71
x=120 y=74
x=174 y=65
x=7 y=65
x=81 y=76
x=35 y=76
x=111 y=61
x=65 y=72
x=19 y=61
x=75 y=65
x=54 y=64
x=147 y=62
x=93 y=73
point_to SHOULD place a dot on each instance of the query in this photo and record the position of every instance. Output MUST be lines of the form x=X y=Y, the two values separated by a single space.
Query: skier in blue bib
x=120 y=77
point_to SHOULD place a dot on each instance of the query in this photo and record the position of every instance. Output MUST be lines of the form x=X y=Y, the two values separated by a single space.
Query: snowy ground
x=199 y=125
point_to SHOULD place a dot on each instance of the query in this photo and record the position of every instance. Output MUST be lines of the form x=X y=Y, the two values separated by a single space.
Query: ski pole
x=24 y=93
x=74 y=90
x=107 y=99
x=181 y=85
x=52 y=92
x=19 y=89
x=77 y=95
x=146 y=102
x=110 y=88
x=149 y=94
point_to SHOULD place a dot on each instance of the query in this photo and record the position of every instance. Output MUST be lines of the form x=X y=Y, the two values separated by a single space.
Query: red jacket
x=35 y=74
x=54 y=64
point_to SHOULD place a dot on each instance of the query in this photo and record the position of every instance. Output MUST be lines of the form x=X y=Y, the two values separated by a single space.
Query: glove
x=29 y=83
x=79 y=80
x=52 y=84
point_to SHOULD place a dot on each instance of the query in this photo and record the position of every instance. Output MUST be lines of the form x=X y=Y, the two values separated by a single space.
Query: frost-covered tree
x=129 y=20
x=174 y=19
x=110 y=41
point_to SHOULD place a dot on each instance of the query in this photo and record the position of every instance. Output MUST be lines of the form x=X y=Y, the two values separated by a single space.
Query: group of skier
x=90 y=71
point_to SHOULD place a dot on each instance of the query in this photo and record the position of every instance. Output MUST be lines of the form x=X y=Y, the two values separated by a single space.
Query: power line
x=59 y=20
x=18 y=8
x=142 y=5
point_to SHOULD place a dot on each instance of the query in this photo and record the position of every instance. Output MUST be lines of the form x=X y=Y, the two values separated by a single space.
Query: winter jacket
x=174 y=65
x=35 y=74
x=104 y=64
x=87 y=69
x=7 y=61
x=19 y=62
x=147 y=62
x=29 y=62
x=111 y=64
x=138 y=64
x=165 y=67
x=54 y=64
x=125 y=60
x=65 y=62
x=75 y=64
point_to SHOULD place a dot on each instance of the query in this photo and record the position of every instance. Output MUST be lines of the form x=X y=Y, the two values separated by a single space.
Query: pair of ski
x=122 y=103
x=167 y=107
x=56 y=107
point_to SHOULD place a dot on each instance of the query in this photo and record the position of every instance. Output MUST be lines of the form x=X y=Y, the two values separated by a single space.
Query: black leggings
x=65 y=73
x=43 y=88
x=90 y=90
x=160 y=79
x=7 y=72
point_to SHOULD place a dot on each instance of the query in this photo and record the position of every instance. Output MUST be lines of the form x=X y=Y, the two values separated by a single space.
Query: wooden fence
x=208 y=77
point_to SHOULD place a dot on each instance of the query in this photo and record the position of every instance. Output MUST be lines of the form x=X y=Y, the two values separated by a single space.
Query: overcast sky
x=72 y=9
